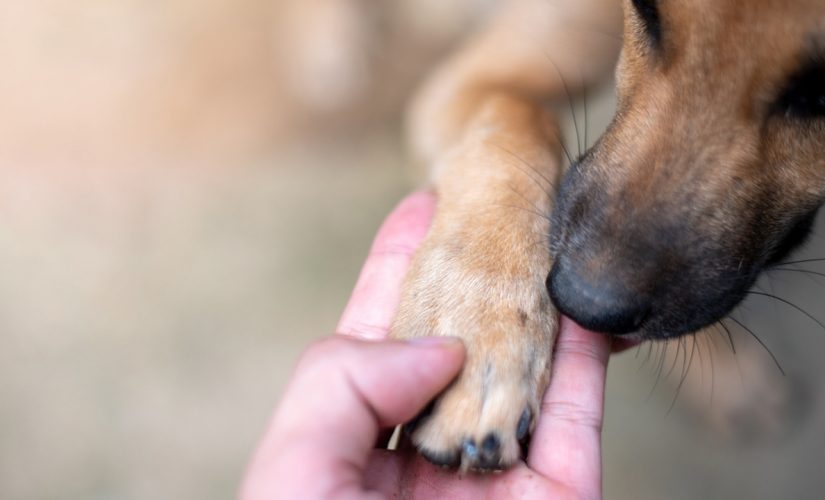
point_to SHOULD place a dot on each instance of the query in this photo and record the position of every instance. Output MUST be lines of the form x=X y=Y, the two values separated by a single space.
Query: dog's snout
x=598 y=303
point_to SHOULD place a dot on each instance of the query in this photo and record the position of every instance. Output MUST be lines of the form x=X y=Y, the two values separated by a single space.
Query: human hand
x=348 y=388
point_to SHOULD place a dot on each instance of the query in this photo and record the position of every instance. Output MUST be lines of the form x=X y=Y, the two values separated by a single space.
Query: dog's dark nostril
x=600 y=304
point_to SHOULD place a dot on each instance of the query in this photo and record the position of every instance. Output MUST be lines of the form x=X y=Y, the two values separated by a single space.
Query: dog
x=711 y=171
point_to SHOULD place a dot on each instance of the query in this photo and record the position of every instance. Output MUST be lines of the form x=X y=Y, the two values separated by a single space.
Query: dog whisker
x=803 y=261
x=791 y=304
x=521 y=195
x=526 y=209
x=545 y=190
x=684 y=376
x=733 y=350
x=569 y=96
x=660 y=367
x=676 y=358
x=550 y=185
x=701 y=360
x=764 y=346
x=566 y=150
x=730 y=337
x=805 y=271
x=532 y=206
x=647 y=356
x=712 y=369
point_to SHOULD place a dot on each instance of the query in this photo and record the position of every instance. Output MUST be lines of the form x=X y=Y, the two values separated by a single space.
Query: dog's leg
x=480 y=276
x=480 y=273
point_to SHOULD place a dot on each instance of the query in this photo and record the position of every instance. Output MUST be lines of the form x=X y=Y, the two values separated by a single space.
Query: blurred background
x=187 y=191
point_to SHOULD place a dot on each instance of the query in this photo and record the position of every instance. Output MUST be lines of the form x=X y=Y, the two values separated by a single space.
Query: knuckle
x=572 y=413
x=324 y=351
x=364 y=330
x=580 y=349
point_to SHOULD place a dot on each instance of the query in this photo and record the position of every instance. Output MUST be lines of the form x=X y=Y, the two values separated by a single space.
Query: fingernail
x=434 y=341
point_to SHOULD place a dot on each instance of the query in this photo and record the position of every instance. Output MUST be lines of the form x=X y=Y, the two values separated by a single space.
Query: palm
x=298 y=458
x=565 y=451
x=407 y=475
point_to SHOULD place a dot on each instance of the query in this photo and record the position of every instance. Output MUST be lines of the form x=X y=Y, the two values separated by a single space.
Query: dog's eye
x=648 y=12
x=804 y=95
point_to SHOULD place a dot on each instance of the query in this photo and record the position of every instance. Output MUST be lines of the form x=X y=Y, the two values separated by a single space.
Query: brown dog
x=712 y=169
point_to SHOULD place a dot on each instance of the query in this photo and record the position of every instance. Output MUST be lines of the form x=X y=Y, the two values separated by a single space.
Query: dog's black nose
x=599 y=304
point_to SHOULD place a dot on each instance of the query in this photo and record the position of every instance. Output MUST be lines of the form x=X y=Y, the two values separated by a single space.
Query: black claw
x=490 y=445
x=441 y=459
x=470 y=450
x=410 y=426
x=490 y=452
x=523 y=425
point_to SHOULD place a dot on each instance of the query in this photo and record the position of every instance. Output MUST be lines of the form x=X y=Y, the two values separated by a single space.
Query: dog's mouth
x=639 y=295
x=633 y=288
x=663 y=255
x=638 y=316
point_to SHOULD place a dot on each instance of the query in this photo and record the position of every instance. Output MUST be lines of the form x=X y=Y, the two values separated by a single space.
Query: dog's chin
x=644 y=335
x=619 y=343
x=636 y=337
x=666 y=329
x=661 y=329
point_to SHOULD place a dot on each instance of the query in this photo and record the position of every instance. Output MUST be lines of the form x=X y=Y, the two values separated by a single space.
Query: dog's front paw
x=504 y=316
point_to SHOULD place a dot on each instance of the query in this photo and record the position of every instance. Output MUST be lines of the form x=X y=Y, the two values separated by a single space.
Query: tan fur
x=482 y=127
x=495 y=151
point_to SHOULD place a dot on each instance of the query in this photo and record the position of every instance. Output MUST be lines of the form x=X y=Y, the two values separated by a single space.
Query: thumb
x=341 y=394
x=355 y=387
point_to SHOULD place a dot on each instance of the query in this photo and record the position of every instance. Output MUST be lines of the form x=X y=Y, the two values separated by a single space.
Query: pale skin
x=494 y=155
x=349 y=388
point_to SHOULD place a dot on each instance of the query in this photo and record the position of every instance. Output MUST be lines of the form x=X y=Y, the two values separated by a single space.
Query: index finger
x=374 y=300
x=566 y=446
